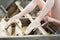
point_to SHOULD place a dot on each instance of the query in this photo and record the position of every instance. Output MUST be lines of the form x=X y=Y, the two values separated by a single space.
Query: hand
x=49 y=19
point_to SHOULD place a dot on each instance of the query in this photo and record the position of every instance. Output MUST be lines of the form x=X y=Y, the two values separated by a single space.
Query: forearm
x=52 y=20
x=56 y=22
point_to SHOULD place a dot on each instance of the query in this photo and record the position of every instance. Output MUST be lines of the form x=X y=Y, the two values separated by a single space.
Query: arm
x=54 y=21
